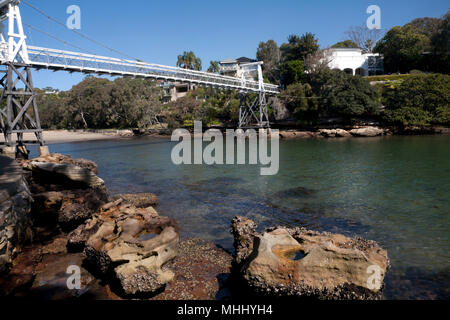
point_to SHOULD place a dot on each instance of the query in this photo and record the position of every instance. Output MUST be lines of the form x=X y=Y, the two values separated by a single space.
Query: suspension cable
x=79 y=33
x=56 y=38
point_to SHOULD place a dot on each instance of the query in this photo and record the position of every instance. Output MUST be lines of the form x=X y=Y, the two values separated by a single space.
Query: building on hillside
x=232 y=67
x=355 y=62
x=174 y=91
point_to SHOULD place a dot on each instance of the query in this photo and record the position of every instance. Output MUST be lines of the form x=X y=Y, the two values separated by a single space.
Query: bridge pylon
x=18 y=106
x=254 y=113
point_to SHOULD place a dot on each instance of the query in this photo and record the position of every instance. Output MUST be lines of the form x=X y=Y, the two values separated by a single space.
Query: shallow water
x=395 y=190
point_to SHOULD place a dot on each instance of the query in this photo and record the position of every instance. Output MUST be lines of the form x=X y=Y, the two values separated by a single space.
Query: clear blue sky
x=157 y=31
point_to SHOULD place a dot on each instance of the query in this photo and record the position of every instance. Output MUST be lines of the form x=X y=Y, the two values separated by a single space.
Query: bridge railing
x=79 y=62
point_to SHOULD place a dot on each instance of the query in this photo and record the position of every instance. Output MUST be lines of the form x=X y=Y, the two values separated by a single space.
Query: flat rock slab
x=70 y=172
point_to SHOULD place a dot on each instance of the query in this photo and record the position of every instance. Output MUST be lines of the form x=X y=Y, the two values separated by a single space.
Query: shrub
x=426 y=97
x=344 y=95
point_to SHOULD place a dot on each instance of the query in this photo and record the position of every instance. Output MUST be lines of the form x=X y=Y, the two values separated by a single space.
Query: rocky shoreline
x=66 y=136
x=57 y=214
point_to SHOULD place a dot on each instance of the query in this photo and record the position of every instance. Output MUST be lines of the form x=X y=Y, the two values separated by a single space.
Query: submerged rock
x=303 y=263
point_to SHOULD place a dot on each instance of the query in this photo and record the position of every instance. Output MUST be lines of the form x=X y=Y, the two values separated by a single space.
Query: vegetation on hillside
x=311 y=91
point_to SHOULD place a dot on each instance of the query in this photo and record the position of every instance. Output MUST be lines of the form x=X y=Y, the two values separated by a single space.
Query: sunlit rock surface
x=303 y=263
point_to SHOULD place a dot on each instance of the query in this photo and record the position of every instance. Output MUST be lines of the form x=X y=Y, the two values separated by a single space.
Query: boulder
x=244 y=233
x=281 y=111
x=63 y=159
x=367 y=132
x=328 y=133
x=294 y=135
x=341 y=133
x=334 y=133
x=68 y=208
x=67 y=174
x=303 y=263
x=131 y=244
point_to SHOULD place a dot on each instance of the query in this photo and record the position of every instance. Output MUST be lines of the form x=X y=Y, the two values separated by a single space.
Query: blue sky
x=158 y=31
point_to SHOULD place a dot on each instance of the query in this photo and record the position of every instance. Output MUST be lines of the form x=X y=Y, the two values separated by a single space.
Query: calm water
x=393 y=190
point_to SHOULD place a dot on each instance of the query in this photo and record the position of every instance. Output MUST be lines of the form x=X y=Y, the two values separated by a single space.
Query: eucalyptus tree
x=188 y=60
x=214 y=67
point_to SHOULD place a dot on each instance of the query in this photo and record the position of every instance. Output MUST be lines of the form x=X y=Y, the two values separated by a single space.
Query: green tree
x=441 y=38
x=403 y=49
x=419 y=100
x=214 y=67
x=345 y=44
x=344 y=95
x=188 y=60
x=298 y=48
x=426 y=26
x=291 y=72
x=301 y=102
x=270 y=54
x=51 y=109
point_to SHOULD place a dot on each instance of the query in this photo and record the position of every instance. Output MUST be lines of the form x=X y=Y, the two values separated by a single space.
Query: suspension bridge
x=18 y=105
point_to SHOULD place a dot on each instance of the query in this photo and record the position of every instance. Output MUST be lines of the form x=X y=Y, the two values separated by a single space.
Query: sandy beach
x=64 y=136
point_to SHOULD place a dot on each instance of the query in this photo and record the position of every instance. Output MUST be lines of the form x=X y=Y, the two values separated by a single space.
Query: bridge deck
x=52 y=59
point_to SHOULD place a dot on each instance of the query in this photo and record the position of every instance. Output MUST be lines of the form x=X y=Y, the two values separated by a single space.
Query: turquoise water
x=395 y=190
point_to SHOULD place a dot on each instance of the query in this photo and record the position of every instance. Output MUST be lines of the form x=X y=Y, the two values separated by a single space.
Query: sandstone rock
x=22 y=272
x=63 y=159
x=328 y=133
x=67 y=173
x=202 y=272
x=281 y=112
x=293 y=135
x=15 y=207
x=67 y=209
x=334 y=133
x=303 y=263
x=244 y=233
x=367 y=132
x=139 y=200
x=343 y=133
x=131 y=243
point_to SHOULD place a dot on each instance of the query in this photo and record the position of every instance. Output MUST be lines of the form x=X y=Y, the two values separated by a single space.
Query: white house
x=354 y=61
x=233 y=67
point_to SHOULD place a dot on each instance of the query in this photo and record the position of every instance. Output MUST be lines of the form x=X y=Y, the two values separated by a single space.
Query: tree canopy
x=270 y=54
x=298 y=48
x=345 y=44
x=188 y=60
x=214 y=67
x=422 y=44
x=419 y=100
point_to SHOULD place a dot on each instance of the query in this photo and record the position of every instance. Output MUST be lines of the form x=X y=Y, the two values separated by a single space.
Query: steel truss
x=18 y=107
x=253 y=112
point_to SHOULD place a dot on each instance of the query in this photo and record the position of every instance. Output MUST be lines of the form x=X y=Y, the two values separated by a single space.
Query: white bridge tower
x=255 y=111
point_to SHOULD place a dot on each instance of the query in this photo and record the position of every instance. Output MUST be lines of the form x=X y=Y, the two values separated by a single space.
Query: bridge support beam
x=18 y=106
x=254 y=113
